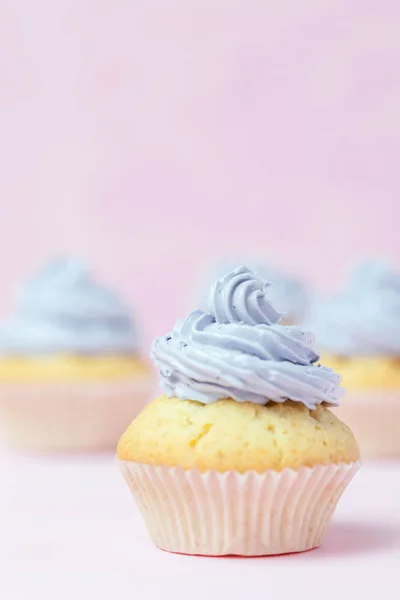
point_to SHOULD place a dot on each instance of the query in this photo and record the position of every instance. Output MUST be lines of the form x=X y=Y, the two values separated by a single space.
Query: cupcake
x=288 y=294
x=358 y=333
x=70 y=370
x=241 y=455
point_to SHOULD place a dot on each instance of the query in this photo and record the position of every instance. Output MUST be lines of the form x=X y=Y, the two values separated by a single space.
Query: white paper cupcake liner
x=374 y=418
x=70 y=416
x=230 y=513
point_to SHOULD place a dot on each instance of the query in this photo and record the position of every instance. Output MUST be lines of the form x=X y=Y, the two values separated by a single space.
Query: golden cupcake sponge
x=228 y=435
x=71 y=368
x=366 y=372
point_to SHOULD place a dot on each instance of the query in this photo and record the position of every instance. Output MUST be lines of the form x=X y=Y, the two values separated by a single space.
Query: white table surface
x=70 y=529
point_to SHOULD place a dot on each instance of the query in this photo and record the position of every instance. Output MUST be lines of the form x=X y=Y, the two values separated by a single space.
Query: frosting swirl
x=365 y=319
x=239 y=350
x=64 y=310
x=239 y=296
x=287 y=294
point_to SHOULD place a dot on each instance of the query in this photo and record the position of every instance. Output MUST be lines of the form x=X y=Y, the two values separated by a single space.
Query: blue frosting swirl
x=287 y=294
x=63 y=310
x=365 y=319
x=239 y=350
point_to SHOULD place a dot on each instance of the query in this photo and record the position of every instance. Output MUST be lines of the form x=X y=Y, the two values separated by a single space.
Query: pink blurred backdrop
x=149 y=135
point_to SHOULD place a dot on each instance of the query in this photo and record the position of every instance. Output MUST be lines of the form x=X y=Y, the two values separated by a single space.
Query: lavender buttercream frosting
x=238 y=350
x=64 y=310
x=287 y=293
x=365 y=319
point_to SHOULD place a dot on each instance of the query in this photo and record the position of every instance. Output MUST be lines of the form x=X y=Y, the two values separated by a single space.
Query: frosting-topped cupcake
x=288 y=294
x=66 y=324
x=362 y=325
x=69 y=330
x=358 y=332
x=243 y=428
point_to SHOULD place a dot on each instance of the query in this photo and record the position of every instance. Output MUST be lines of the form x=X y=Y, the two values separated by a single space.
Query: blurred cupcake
x=70 y=370
x=241 y=455
x=287 y=294
x=358 y=333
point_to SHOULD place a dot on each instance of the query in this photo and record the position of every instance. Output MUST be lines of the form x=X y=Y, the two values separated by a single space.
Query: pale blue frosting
x=365 y=319
x=238 y=350
x=287 y=293
x=64 y=310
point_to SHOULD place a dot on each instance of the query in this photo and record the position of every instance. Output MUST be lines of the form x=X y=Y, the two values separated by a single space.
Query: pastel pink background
x=149 y=135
